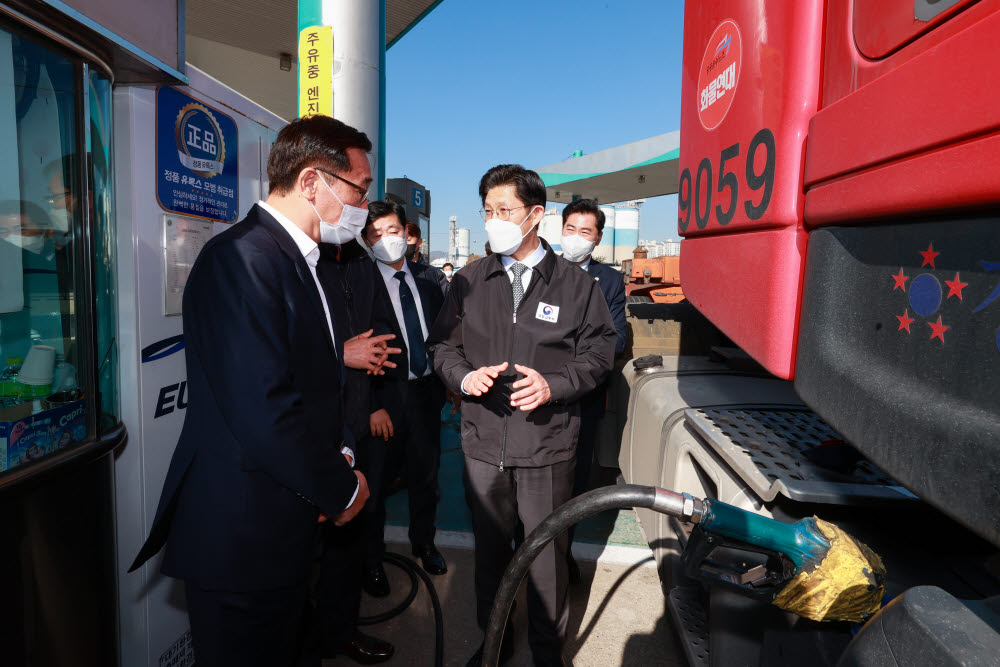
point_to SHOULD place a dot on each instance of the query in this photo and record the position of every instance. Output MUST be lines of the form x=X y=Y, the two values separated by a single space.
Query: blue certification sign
x=196 y=158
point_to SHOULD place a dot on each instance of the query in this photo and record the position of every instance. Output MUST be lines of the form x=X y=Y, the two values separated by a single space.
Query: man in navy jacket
x=583 y=228
x=363 y=317
x=410 y=392
x=262 y=458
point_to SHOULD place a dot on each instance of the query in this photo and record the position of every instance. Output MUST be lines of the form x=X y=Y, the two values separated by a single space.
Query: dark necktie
x=414 y=334
x=517 y=285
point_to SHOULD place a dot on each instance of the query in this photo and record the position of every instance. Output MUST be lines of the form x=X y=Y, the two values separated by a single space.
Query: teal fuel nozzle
x=811 y=567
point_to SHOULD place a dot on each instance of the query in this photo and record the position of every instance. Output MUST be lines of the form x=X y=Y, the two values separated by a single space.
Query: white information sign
x=183 y=239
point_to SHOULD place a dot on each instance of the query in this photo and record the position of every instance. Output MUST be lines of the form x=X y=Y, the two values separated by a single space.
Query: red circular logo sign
x=719 y=75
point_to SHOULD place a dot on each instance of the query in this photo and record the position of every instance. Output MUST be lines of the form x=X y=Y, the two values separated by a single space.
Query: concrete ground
x=618 y=617
x=617 y=613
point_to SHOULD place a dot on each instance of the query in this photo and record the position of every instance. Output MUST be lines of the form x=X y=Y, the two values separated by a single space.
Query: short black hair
x=380 y=209
x=447 y=264
x=585 y=206
x=528 y=184
x=312 y=141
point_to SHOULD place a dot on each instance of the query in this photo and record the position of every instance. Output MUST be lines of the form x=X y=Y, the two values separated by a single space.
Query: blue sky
x=481 y=82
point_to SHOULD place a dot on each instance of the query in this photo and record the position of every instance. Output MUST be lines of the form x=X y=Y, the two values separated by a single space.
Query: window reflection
x=41 y=407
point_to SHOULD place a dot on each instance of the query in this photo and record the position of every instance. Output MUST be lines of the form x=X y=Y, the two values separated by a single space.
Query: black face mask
x=411 y=251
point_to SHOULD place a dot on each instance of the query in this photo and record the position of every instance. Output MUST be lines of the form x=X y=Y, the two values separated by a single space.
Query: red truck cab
x=838 y=192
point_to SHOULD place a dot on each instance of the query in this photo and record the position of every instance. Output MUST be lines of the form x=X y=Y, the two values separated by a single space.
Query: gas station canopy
x=645 y=168
x=240 y=42
x=270 y=27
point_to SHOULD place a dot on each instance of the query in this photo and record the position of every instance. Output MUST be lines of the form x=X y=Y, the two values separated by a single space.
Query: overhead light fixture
x=285 y=62
x=642 y=178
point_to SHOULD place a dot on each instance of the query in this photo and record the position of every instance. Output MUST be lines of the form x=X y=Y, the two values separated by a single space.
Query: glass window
x=105 y=260
x=44 y=361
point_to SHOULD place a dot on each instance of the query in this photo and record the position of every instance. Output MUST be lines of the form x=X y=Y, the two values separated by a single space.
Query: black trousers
x=338 y=590
x=497 y=499
x=591 y=411
x=250 y=628
x=415 y=452
x=344 y=551
x=373 y=459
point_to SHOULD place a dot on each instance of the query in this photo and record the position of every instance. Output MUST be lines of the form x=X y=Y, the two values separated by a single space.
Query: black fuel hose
x=414 y=570
x=625 y=496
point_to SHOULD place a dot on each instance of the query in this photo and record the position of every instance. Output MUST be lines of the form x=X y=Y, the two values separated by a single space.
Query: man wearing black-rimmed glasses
x=523 y=335
x=264 y=456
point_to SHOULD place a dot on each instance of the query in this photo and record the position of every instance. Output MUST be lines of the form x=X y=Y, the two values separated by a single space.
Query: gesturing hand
x=480 y=380
x=534 y=390
x=369 y=353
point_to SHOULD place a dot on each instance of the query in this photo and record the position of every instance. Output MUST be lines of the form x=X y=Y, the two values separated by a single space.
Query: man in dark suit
x=583 y=228
x=262 y=459
x=363 y=319
x=411 y=392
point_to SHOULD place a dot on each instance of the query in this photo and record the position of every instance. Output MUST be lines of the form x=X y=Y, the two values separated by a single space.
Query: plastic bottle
x=9 y=393
x=64 y=376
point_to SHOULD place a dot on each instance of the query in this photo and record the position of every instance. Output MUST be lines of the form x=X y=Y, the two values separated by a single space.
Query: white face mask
x=447 y=273
x=30 y=243
x=575 y=248
x=60 y=219
x=389 y=249
x=352 y=221
x=505 y=236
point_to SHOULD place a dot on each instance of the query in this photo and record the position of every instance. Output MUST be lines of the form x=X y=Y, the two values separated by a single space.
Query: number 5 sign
x=418 y=198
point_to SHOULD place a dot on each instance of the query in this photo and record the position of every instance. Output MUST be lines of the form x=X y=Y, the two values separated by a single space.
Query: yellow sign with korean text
x=316 y=70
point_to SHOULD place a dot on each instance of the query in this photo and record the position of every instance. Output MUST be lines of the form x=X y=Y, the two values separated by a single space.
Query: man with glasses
x=264 y=456
x=524 y=335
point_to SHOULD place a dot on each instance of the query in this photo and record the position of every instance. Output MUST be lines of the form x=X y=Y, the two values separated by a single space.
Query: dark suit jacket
x=259 y=455
x=613 y=288
x=352 y=286
x=432 y=293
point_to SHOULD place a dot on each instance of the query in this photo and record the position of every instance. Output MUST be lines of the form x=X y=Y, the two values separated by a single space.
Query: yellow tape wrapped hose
x=847 y=585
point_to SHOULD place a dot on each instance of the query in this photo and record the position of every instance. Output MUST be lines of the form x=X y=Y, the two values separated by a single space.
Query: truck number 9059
x=699 y=197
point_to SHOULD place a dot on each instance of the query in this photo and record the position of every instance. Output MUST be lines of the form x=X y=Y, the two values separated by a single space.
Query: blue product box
x=25 y=437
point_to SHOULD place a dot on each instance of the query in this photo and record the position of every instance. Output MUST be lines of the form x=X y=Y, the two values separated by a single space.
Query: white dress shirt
x=392 y=286
x=531 y=261
x=585 y=264
x=310 y=251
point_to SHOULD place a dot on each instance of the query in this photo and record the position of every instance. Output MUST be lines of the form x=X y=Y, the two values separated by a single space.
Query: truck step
x=691 y=621
x=770 y=450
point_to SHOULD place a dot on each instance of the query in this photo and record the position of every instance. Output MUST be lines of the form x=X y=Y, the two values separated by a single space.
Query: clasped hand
x=533 y=390
x=370 y=353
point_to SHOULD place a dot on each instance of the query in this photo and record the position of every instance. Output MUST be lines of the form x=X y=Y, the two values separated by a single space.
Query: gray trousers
x=497 y=499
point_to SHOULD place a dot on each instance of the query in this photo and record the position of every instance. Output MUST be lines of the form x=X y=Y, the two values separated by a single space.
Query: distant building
x=416 y=200
x=550 y=228
x=668 y=248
